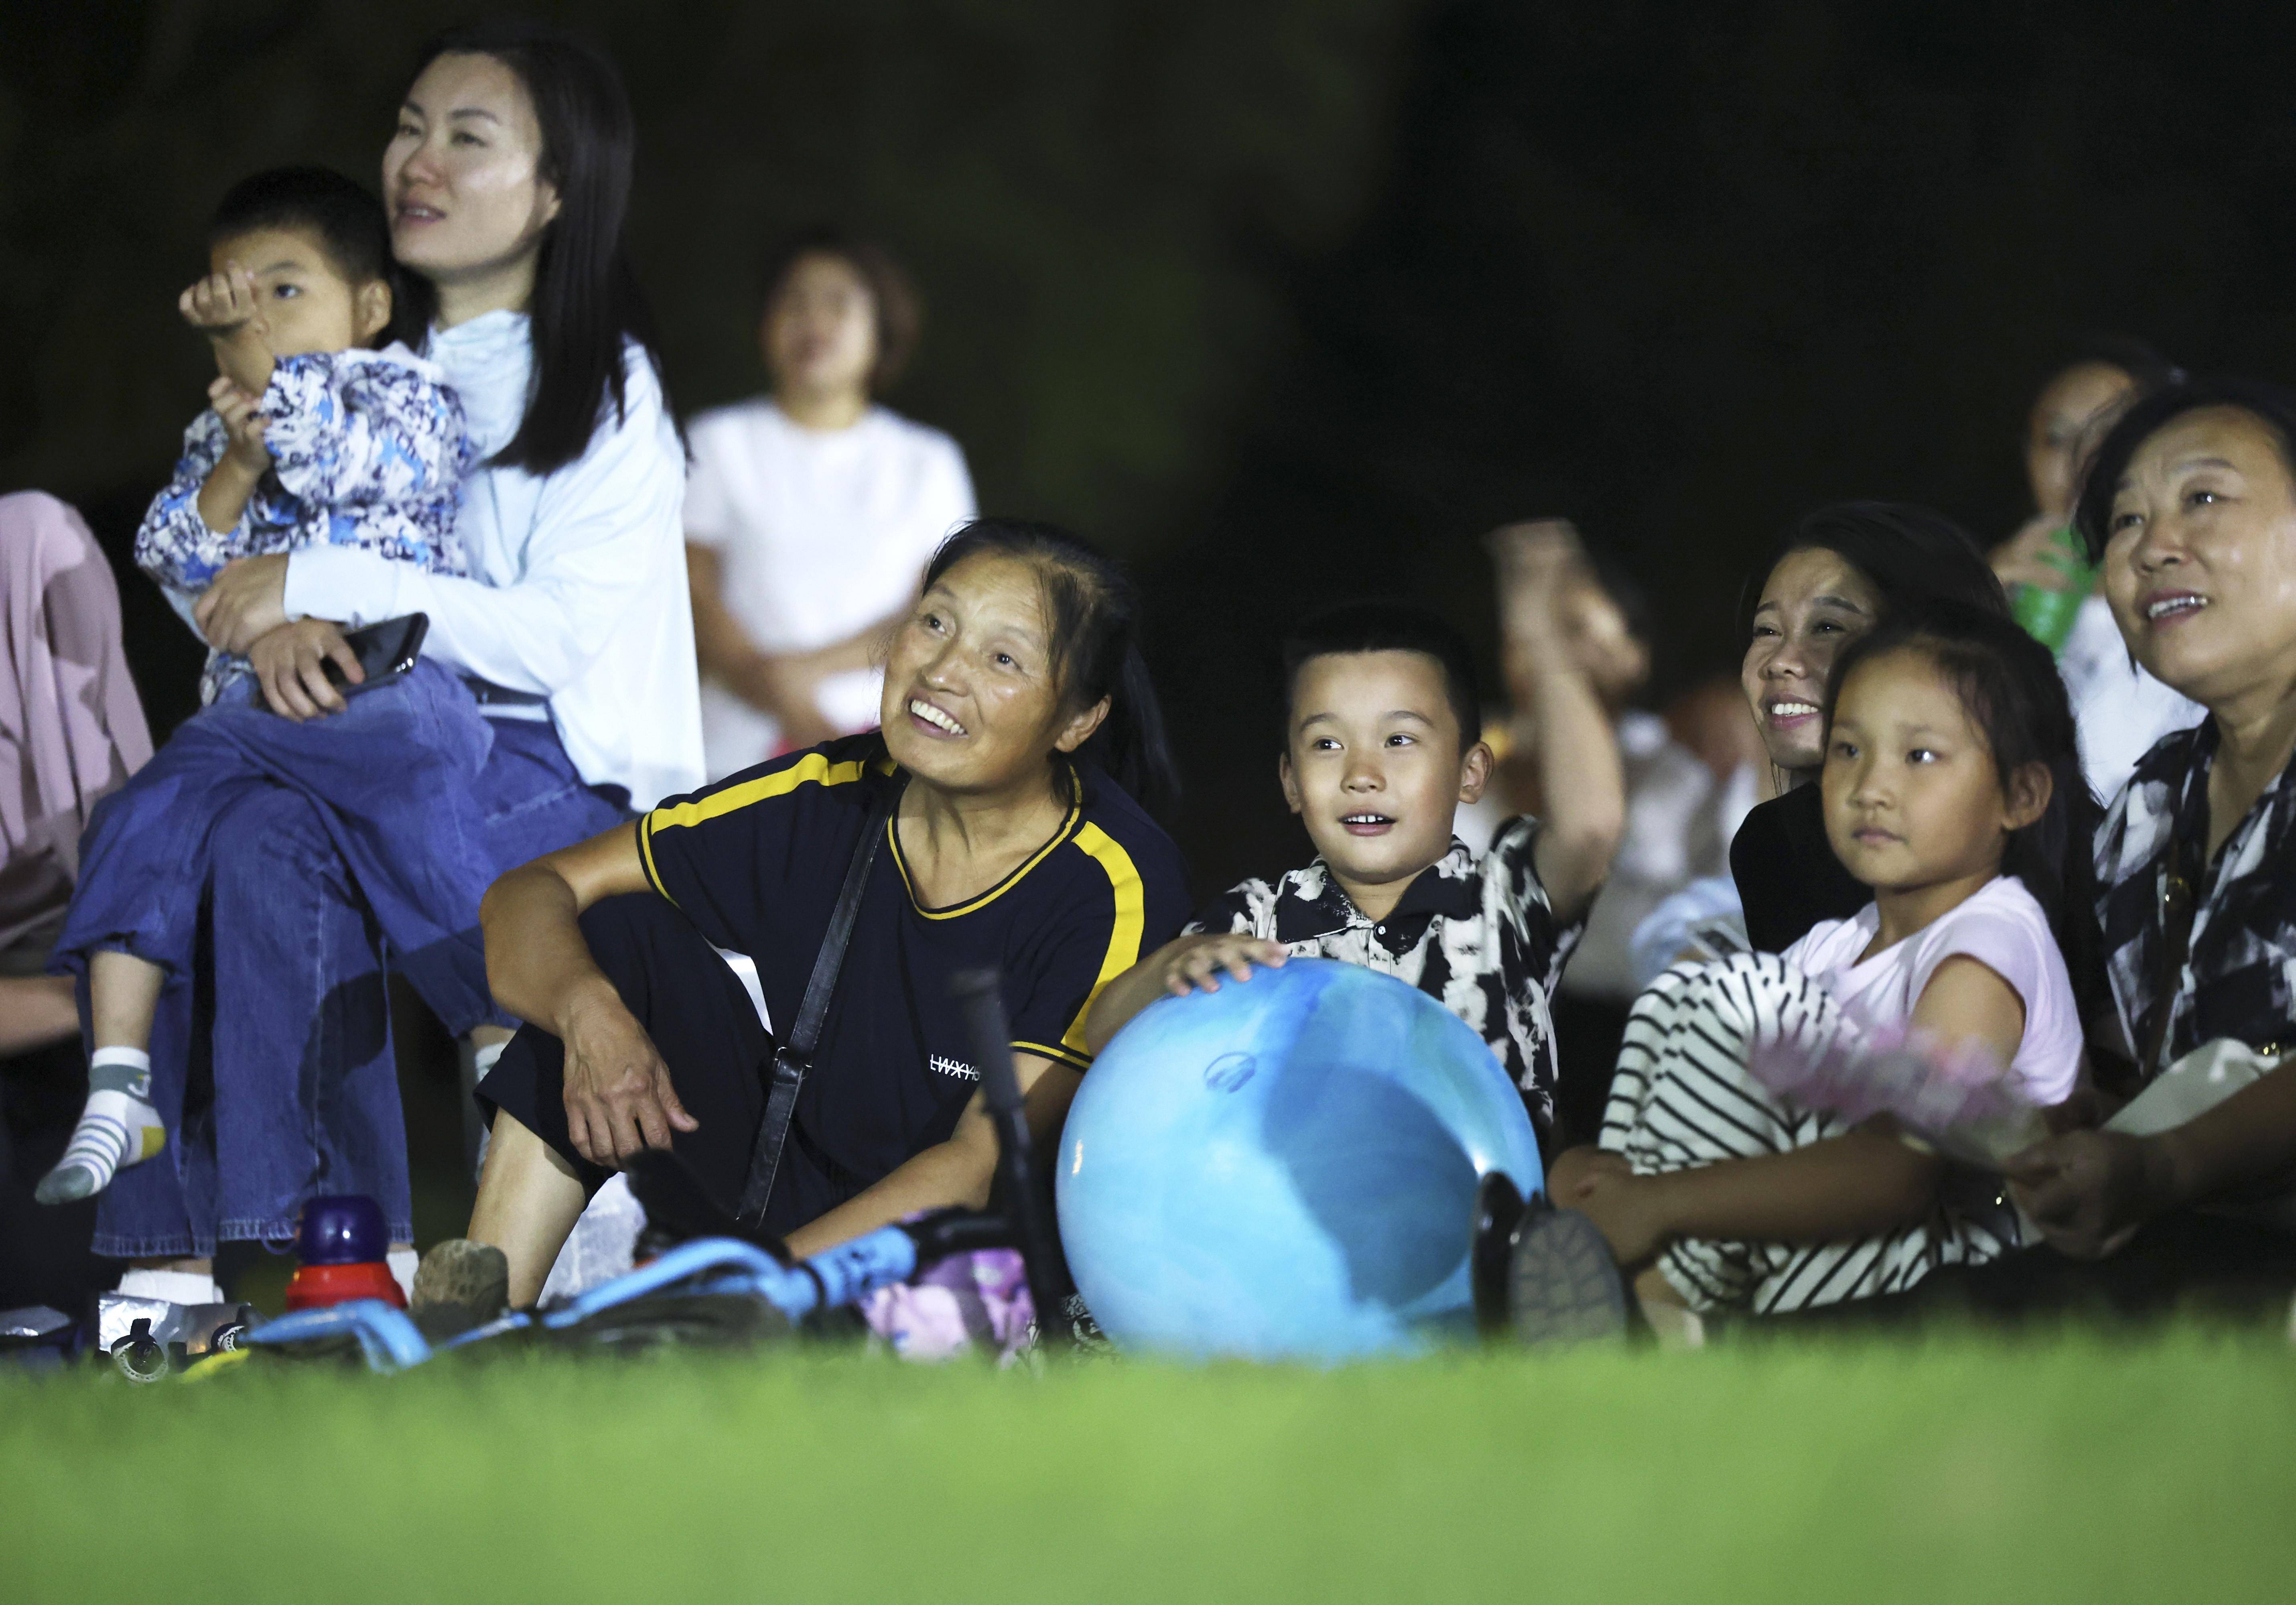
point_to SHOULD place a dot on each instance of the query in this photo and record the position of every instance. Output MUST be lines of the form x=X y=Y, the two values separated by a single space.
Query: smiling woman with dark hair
x=2191 y=511
x=1840 y=572
x=507 y=181
x=993 y=821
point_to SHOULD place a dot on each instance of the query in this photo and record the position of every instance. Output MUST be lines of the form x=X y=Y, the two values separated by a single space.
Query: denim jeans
x=278 y=872
x=396 y=775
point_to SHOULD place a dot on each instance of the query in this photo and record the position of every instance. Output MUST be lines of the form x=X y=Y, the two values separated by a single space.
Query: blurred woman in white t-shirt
x=810 y=512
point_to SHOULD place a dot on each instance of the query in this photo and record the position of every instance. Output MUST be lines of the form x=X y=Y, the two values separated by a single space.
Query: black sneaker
x=1563 y=1286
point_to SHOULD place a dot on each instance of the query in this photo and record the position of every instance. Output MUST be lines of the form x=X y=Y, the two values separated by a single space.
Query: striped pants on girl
x=1684 y=1097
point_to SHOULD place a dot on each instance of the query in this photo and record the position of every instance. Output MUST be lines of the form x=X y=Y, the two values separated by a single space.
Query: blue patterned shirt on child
x=368 y=450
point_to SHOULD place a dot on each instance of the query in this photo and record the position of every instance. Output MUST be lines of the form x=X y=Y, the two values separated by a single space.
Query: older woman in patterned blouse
x=2190 y=507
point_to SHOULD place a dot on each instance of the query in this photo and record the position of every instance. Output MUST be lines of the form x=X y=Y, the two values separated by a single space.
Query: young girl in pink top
x=1953 y=788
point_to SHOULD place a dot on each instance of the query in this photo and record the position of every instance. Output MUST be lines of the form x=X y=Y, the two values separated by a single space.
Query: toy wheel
x=140 y=1357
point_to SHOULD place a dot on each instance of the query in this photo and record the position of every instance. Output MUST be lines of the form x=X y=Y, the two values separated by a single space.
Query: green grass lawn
x=2083 y=1468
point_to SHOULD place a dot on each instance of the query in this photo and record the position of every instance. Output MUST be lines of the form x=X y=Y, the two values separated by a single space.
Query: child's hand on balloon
x=1194 y=963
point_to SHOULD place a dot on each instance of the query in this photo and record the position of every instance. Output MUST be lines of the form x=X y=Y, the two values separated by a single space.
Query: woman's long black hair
x=1910 y=554
x=2009 y=684
x=586 y=306
x=1094 y=609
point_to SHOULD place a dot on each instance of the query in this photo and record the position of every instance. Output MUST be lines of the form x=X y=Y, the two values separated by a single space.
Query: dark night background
x=1282 y=299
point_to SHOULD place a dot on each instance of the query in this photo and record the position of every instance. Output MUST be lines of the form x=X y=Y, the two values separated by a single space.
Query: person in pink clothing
x=72 y=730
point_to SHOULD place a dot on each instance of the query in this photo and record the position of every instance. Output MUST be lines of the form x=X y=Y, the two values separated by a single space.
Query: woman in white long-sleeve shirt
x=507 y=180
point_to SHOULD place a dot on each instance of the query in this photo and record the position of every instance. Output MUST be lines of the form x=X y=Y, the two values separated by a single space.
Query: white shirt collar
x=489 y=360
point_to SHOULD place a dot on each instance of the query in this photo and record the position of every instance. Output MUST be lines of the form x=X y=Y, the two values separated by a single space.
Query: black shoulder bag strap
x=794 y=1057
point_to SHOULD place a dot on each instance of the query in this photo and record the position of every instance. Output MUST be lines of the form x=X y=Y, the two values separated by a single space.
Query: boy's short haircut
x=350 y=225
x=342 y=213
x=1355 y=627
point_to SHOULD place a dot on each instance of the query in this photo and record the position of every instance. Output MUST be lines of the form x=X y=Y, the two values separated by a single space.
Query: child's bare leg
x=118 y=1125
x=1651 y=1288
x=123 y=995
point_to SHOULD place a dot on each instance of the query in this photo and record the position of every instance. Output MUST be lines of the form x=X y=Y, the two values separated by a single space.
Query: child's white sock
x=118 y=1126
x=177 y=1286
x=403 y=1264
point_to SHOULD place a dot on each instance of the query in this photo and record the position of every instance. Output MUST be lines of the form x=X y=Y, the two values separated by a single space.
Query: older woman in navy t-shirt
x=1017 y=715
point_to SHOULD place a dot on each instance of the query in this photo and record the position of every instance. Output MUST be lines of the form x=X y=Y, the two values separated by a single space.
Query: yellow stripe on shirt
x=1131 y=920
x=814 y=769
x=645 y=858
x=1059 y=1056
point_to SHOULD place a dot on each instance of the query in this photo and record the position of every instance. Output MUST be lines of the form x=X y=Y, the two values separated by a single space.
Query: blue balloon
x=1286 y=1168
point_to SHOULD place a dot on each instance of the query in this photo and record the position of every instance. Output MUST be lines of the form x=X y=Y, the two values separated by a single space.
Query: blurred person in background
x=1680 y=812
x=72 y=730
x=2057 y=593
x=811 y=511
x=1700 y=917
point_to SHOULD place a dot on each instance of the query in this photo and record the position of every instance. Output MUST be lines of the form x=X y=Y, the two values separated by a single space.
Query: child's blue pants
x=270 y=867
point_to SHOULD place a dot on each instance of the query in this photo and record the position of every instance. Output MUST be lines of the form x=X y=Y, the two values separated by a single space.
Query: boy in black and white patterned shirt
x=1384 y=742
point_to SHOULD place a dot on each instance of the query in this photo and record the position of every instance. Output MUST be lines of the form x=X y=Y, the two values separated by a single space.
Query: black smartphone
x=385 y=651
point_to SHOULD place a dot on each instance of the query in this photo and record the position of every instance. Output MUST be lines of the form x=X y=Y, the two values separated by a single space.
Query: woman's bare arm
x=719 y=641
x=618 y=1098
x=2088 y=1190
x=957 y=1171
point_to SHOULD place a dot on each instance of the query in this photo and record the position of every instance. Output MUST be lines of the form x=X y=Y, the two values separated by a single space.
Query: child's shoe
x=1563 y=1286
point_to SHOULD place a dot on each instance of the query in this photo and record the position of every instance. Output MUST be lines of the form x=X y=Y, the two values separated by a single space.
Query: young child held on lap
x=1952 y=786
x=1383 y=743
x=313 y=438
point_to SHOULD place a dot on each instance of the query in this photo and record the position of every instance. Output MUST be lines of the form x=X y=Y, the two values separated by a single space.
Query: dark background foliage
x=1282 y=299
